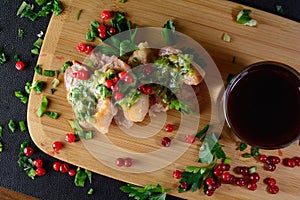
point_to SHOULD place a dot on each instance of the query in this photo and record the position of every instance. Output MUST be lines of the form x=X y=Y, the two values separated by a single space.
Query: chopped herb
x=244 y=18
x=246 y=155
x=51 y=114
x=35 y=51
x=78 y=14
x=230 y=78
x=38 y=69
x=151 y=192
x=93 y=33
x=202 y=132
x=21 y=96
x=22 y=126
x=227 y=161
x=226 y=37
x=255 y=151
x=91 y=191
x=20 y=33
x=243 y=146
x=87 y=135
x=1 y=131
x=180 y=106
x=89 y=175
x=1 y=147
x=38 y=43
x=25 y=162
x=28 y=87
x=169 y=32
x=12 y=125
x=38 y=86
x=123 y=1
x=42 y=109
x=75 y=125
x=2 y=56
x=80 y=177
x=194 y=177
x=40 y=2
x=66 y=65
x=55 y=82
x=50 y=73
x=252 y=169
x=17 y=57
x=279 y=9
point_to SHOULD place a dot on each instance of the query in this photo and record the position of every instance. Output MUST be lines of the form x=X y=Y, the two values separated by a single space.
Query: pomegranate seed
x=70 y=137
x=122 y=75
x=64 y=167
x=271 y=167
x=40 y=171
x=169 y=128
x=119 y=162
x=147 y=70
x=252 y=186
x=112 y=30
x=108 y=83
x=28 y=151
x=209 y=192
x=218 y=172
x=20 y=65
x=166 y=142
x=177 y=174
x=289 y=162
x=106 y=14
x=88 y=49
x=183 y=185
x=270 y=181
x=244 y=170
x=72 y=172
x=57 y=146
x=297 y=161
x=127 y=162
x=81 y=47
x=274 y=189
x=273 y=160
x=101 y=28
x=240 y=182
x=262 y=158
x=190 y=139
x=38 y=163
x=56 y=165
x=118 y=96
x=254 y=177
x=128 y=79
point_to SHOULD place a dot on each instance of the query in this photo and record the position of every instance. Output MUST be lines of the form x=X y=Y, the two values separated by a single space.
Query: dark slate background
x=55 y=185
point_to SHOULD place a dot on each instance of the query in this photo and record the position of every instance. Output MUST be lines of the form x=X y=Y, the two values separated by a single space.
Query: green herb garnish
x=38 y=86
x=279 y=9
x=22 y=126
x=21 y=96
x=244 y=18
x=78 y=14
x=40 y=2
x=38 y=69
x=20 y=33
x=246 y=155
x=42 y=109
x=25 y=162
x=169 y=32
x=1 y=131
x=81 y=176
x=51 y=114
x=50 y=73
x=243 y=146
x=2 y=56
x=38 y=43
x=1 y=147
x=202 y=132
x=66 y=66
x=12 y=125
x=151 y=192
x=91 y=191
x=255 y=151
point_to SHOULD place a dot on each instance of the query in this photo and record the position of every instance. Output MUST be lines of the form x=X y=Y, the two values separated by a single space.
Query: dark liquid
x=263 y=107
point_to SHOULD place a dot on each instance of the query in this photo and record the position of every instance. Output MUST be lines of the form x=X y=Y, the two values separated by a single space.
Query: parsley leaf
x=244 y=18
x=151 y=192
x=169 y=32
x=202 y=132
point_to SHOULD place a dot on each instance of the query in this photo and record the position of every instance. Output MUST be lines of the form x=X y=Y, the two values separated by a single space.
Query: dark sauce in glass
x=263 y=105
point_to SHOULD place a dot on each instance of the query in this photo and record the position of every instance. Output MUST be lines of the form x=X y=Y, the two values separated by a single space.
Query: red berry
x=56 y=165
x=122 y=75
x=20 y=65
x=70 y=137
x=128 y=79
x=209 y=192
x=40 y=171
x=112 y=30
x=289 y=162
x=218 y=172
x=183 y=185
x=72 y=172
x=297 y=161
x=106 y=14
x=119 y=162
x=169 y=128
x=177 y=174
x=108 y=83
x=88 y=49
x=127 y=162
x=240 y=182
x=252 y=186
x=226 y=176
x=244 y=170
x=115 y=79
x=254 y=177
x=118 y=96
x=271 y=167
x=147 y=70
x=81 y=74
x=273 y=160
x=28 y=151
x=64 y=167
x=262 y=158
x=38 y=163
x=190 y=139
x=274 y=189
x=57 y=146
x=81 y=47
x=145 y=89
x=102 y=28
x=166 y=142
x=102 y=35
x=210 y=181
x=270 y=181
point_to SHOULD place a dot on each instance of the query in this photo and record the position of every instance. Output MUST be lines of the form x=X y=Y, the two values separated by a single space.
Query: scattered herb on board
x=244 y=18
x=50 y=73
x=12 y=125
x=169 y=32
x=226 y=37
x=22 y=126
x=20 y=33
x=255 y=151
x=202 y=132
x=38 y=69
x=38 y=86
x=279 y=9
x=1 y=131
x=23 y=97
x=1 y=147
x=243 y=146
x=78 y=14
x=51 y=114
x=246 y=155
x=81 y=176
x=42 y=109
x=2 y=56
x=66 y=66
x=151 y=192
x=123 y=1
x=26 y=162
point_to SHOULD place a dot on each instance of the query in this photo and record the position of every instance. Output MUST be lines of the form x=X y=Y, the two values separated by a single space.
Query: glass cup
x=262 y=105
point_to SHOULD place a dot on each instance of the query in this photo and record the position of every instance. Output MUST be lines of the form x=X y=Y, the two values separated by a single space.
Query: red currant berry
x=166 y=142
x=254 y=177
x=270 y=181
x=115 y=79
x=177 y=174
x=72 y=172
x=273 y=160
x=274 y=189
x=106 y=14
x=119 y=162
x=218 y=172
x=28 y=151
x=297 y=161
x=190 y=139
x=20 y=65
x=240 y=182
x=114 y=87
x=56 y=165
x=118 y=96
x=289 y=162
x=183 y=185
x=70 y=137
x=127 y=162
x=88 y=49
x=145 y=89
x=271 y=167
x=122 y=75
x=40 y=171
x=81 y=47
x=252 y=186
x=112 y=30
x=38 y=163
x=64 y=167
x=226 y=176
x=102 y=35
x=57 y=146
x=209 y=192
x=169 y=128
x=210 y=181
x=262 y=158
x=244 y=170
x=128 y=79
x=101 y=28
x=108 y=83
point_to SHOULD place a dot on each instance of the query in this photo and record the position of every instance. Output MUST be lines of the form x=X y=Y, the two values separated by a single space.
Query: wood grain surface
x=275 y=38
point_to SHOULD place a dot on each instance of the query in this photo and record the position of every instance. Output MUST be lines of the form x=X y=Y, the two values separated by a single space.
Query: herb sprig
x=151 y=192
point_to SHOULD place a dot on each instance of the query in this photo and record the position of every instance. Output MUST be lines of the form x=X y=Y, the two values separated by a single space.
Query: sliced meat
x=166 y=51
x=138 y=111
x=121 y=120
x=143 y=55
x=195 y=76
x=156 y=108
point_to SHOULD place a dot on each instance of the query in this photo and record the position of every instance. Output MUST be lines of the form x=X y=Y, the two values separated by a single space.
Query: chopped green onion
x=22 y=126
x=53 y=115
x=55 y=82
x=252 y=169
x=202 y=132
x=20 y=33
x=244 y=18
x=1 y=147
x=279 y=9
x=123 y=1
x=21 y=96
x=42 y=109
x=40 y=2
x=91 y=191
x=38 y=69
x=246 y=155
x=227 y=161
x=226 y=37
x=2 y=56
x=243 y=146
x=65 y=66
x=35 y=51
x=255 y=152
x=1 y=131
x=12 y=125
x=78 y=14
x=38 y=86
x=28 y=87
x=17 y=57
x=22 y=8
x=38 y=43
x=49 y=73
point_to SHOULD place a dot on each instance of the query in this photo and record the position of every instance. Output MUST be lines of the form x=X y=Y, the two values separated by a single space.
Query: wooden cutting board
x=275 y=38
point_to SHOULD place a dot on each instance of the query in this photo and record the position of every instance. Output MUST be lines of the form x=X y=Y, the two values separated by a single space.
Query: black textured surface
x=54 y=185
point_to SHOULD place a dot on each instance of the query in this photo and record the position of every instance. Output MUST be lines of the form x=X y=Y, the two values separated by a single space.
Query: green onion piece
x=243 y=146
x=12 y=125
x=38 y=43
x=55 y=82
x=20 y=33
x=85 y=134
x=53 y=115
x=65 y=66
x=38 y=69
x=1 y=147
x=246 y=155
x=40 y=2
x=49 y=73
x=226 y=37
x=91 y=191
x=244 y=18
x=279 y=9
x=202 y=132
x=35 y=51
x=42 y=109
x=38 y=86
x=1 y=131
x=21 y=8
x=28 y=87
x=22 y=126
x=78 y=14
x=21 y=96
x=252 y=169
x=227 y=161
x=17 y=57
x=2 y=56
x=255 y=152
